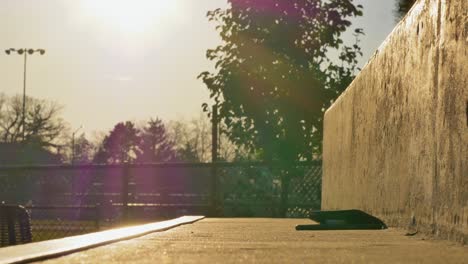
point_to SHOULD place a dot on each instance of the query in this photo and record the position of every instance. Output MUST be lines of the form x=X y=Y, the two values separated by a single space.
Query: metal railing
x=66 y=200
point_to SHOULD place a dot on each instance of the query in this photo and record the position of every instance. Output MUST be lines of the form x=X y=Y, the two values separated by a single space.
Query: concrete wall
x=396 y=141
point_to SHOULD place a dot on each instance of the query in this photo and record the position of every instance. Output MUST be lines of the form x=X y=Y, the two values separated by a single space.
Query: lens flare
x=131 y=16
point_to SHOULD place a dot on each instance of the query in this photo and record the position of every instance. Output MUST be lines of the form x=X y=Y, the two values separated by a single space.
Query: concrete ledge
x=264 y=240
x=58 y=247
x=396 y=141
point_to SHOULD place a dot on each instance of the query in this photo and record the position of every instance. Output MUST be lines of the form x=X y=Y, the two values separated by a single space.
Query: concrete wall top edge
x=406 y=22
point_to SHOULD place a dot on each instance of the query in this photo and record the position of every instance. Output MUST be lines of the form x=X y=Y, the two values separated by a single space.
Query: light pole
x=24 y=52
x=73 y=144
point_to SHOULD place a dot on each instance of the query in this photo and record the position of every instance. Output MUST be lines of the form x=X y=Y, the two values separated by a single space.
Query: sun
x=132 y=16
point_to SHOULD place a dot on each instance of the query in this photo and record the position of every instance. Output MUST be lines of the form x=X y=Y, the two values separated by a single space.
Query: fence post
x=97 y=216
x=214 y=159
x=125 y=183
x=285 y=180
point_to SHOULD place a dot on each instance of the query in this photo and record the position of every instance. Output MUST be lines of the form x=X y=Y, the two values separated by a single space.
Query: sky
x=109 y=61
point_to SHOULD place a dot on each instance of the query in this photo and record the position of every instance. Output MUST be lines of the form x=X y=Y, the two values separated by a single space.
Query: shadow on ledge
x=343 y=220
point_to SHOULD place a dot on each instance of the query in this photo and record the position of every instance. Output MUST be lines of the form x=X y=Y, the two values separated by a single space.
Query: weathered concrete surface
x=270 y=241
x=396 y=142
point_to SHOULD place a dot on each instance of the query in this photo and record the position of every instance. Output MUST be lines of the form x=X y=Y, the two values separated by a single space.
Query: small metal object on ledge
x=343 y=220
x=15 y=226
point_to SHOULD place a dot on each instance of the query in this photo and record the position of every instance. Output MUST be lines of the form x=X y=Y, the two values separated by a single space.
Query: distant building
x=26 y=154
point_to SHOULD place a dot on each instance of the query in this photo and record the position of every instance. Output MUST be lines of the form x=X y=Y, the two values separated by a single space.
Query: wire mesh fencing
x=50 y=222
x=71 y=200
x=270 y=190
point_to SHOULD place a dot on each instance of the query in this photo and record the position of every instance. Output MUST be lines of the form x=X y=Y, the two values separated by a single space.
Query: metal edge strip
x=59 y=247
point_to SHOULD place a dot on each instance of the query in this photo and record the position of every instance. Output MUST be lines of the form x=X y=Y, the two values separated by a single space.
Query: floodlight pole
x=23 y=121
x=20 y=52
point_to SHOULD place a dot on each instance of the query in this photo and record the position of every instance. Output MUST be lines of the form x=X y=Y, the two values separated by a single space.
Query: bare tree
x=193 y=140
x=81 y=151
x=43 y=124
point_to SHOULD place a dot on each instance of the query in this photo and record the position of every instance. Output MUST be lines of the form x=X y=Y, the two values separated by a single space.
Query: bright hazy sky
x=108 y=60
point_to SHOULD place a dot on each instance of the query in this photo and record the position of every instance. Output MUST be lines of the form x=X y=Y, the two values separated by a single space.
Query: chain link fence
x=50 y=222
x=257 y=191
x=72 y=200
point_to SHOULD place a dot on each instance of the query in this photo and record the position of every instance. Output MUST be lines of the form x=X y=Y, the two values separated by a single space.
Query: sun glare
x=132 y=16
